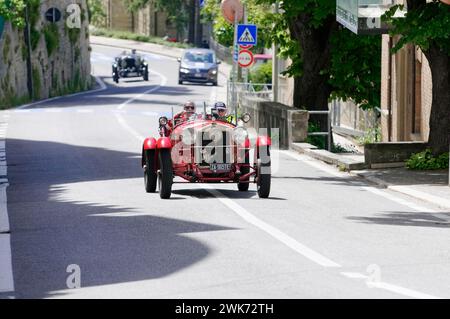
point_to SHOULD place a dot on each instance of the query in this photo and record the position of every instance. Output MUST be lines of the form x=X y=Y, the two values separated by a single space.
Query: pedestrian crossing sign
x=247 y=34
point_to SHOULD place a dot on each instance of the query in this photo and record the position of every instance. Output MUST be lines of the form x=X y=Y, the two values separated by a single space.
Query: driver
x=188 y=110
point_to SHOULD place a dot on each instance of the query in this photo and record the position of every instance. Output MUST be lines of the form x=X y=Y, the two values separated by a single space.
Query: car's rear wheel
x=150 y=176
x=244 y=186
x=264 y=175
x=165 y=174
x=180 y=82
x=146 y=74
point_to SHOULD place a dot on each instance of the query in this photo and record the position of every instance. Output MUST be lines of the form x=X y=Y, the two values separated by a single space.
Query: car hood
x=198 y=65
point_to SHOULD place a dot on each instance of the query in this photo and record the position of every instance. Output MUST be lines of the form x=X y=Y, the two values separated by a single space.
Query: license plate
x=198 y=75
x=220 y=167
x=132 y=74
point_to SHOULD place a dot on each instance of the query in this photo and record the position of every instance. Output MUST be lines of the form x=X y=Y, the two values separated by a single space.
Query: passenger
x=220 y=113
x=188 y=111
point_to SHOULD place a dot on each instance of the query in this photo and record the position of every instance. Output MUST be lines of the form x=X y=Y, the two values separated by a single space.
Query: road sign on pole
x=246 y=58
x=247 y=34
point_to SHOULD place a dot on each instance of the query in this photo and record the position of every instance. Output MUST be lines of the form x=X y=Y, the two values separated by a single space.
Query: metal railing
x=329 y=132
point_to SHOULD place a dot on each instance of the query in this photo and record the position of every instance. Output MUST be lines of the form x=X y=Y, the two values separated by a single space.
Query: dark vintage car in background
x=130 y=65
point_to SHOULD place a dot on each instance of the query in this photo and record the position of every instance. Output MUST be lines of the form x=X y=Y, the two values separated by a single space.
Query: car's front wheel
x=264 y=175
x=165 y=174
x=150 y=176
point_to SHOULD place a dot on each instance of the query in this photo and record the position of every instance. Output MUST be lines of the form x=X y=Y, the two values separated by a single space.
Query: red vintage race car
x=204 y=149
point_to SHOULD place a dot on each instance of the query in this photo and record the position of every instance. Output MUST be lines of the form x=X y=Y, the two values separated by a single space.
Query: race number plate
x=220 y=167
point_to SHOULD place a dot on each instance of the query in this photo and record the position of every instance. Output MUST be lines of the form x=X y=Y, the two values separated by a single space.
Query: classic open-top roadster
x=203 y=149
x=129 y=65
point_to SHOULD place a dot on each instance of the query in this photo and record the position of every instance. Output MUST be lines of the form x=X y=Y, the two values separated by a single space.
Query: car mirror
x=219 y=62
x=179 y=60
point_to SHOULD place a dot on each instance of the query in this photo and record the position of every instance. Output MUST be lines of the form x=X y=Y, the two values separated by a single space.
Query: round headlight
x=163 y=120
x=246 y=118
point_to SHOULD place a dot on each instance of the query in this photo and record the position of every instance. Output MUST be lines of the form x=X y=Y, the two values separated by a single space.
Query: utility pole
x=28 y=43
x=275 y=68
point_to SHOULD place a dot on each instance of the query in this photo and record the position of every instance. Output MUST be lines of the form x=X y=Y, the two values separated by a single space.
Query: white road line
x=379 y=285
x=6 y=275
x=4 y=221
x=389 y=287
x=274 y=232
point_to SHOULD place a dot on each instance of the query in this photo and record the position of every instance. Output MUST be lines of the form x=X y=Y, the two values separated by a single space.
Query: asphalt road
x=76 y=199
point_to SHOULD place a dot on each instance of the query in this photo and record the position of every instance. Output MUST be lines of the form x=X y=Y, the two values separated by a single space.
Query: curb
x=97 y=79
x=328 y=157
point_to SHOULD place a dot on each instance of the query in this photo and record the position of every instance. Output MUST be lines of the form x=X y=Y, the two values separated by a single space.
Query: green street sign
x=2 y=22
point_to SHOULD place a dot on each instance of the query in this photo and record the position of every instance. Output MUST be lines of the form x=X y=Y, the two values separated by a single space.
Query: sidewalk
x=429 y=186
x=170 y=52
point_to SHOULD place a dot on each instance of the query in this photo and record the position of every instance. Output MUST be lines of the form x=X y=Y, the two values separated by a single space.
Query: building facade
x=147 y=21
x=406 y=93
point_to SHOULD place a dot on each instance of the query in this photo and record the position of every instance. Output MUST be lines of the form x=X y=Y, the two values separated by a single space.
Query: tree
x=13 y=11
x=327 y=59
x=427 y=25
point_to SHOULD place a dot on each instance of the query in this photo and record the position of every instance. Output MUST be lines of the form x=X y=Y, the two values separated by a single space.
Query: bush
x=427 y=161
x=261 y=73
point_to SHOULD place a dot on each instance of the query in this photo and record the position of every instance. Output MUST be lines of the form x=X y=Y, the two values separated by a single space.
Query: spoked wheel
x=264 y=175
x=165 y=174
x=150 y=176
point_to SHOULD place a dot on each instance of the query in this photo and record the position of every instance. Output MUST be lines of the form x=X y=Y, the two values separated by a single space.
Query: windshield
x=199 y=57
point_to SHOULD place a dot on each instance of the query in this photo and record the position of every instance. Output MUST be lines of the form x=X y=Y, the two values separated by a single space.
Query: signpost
x=364 y=16
x=247 y=34
x=246 y=59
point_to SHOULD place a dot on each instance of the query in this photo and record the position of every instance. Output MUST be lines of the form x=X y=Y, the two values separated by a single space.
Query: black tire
x=243 y=187
x=146 y=75
x=150 y=176
x=264 y=176
x=165 y=174
x=214 y=84
x=180 y=82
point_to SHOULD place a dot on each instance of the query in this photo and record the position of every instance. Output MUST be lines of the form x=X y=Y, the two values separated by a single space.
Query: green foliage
x=13 y=10
x=354 y=69
x=425 y=23
x=37 y=84
x=136 y=37
x=319 y=141
x=51 y=35
x=426 y=161
x=97 y=14
x=373 y=135
x=223 y=31
x=261 y=73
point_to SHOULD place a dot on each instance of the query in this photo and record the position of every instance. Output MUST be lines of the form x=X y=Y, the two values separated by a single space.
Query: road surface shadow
x=110 y=243
x=405 y=219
